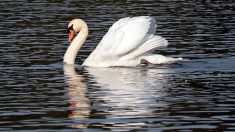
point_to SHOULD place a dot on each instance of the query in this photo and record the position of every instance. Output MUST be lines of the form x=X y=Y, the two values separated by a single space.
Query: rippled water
x=39 y=93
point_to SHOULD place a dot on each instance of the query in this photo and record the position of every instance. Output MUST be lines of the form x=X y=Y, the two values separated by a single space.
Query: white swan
x=129 y=42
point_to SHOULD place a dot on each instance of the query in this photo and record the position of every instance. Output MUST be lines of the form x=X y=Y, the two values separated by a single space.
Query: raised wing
x=152 y=42
x=127 y=35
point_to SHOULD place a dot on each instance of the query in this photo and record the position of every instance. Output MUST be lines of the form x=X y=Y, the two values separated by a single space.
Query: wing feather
x=152 y=43
x=126 y=35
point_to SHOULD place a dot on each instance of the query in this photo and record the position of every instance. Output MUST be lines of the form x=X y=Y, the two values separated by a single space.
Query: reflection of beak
x=71 y=35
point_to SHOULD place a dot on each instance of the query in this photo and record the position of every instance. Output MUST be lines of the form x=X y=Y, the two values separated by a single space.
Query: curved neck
x=76 y=44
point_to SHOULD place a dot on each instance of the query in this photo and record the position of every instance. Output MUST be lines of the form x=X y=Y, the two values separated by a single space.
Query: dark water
x=38 y=93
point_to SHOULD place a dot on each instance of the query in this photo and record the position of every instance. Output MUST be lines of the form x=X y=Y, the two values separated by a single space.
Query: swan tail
x=159 y=59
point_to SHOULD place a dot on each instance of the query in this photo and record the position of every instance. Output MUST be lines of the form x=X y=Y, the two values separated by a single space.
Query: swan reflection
x=128 y=92
x=115 y=92
x=78 y=102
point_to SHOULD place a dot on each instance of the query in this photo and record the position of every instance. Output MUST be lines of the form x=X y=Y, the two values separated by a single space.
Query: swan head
x=75 y=26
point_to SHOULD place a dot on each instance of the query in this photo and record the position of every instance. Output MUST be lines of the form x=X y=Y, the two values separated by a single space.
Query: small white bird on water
x=129 y=42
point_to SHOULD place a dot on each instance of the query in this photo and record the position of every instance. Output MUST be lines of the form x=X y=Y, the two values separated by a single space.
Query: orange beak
x=71 y=35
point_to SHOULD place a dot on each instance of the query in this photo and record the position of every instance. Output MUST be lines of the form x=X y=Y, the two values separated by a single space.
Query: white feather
x=152 y=42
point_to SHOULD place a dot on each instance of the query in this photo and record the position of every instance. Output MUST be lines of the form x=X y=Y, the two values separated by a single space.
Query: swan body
x=128 y=42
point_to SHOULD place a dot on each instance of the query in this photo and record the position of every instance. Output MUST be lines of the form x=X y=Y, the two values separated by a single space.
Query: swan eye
x=70 y=28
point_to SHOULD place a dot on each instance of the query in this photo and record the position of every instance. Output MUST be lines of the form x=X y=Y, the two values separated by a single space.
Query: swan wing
x=127 y=35
x=151 y=43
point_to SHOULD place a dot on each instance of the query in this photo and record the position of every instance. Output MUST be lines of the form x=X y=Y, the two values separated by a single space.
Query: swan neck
x=76 y=44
